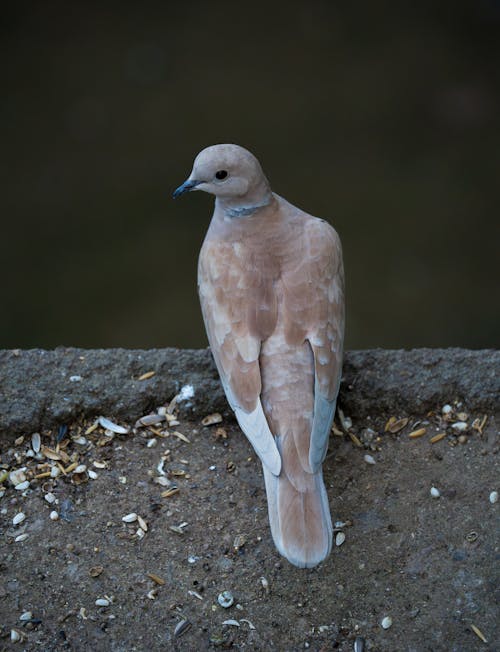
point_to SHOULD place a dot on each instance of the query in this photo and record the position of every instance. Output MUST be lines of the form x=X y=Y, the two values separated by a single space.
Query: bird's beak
x=188 y=185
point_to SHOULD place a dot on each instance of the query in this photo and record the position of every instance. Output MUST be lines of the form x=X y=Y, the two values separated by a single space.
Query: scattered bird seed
x=95 y=571
x=21 y=537
x=35 y=442
x=386 y=622
x=18 y=518
x=150 y=420
x=459 y=426
x=182 y=627
x=22 y=485
x=139 y=533
x=180 y=436
x=195 y=594
x=417 y=433
x=156 y=579
x=250 y=624
x=15 y=636
x=92 y=475
x=478 y=633
x=394 y=425
x=231 y=622
x=130 y=518
x=369 y=459
x=114 y=427
x=493 y=497
x=102 y=602
x=438 y=437
x=81 y=468
x=142 y=523
x=435 y=493
x=211 y=419
x=339 y=539
x=148 y=374
x=359 y=644
x=225 y=599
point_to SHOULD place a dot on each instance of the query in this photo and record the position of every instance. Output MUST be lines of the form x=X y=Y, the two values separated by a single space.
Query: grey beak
x=186 y=186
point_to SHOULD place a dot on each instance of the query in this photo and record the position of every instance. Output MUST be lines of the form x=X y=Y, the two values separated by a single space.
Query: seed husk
x=148 y=374
x=130 y=518
x=438 y=437
x=18 y=518
x=180 y=436
x=182 y=627
x=156 y=579
x=478 y=633
x=417 y=433
x=107 y=424
x=36 y=442
x=394 y=425
x=95 y=571
x=211 y=419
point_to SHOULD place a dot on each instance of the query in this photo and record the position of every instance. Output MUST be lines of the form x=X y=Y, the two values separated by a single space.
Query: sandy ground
x=429 y=564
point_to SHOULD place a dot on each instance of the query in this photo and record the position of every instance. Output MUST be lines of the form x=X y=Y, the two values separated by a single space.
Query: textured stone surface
x=41 y=388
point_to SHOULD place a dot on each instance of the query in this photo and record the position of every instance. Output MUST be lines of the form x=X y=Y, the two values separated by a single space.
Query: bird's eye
x=221 y=174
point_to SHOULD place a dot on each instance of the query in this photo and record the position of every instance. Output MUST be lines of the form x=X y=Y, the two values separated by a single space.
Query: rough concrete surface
x=428 y=563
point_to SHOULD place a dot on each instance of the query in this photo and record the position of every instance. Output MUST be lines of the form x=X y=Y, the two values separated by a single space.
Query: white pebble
x=369 y=459
x=75 y=379
x=446 y=409
x=18 y=518
x=339 y=538
x=27 y=615
x=81 y=468
x=493 y=497
x=459 y=426
x=54 y=516
x=102 y=602
x=151 y=442
x=21 y=537
x=81 y=441
x=22 y=485
x=50 y=498
x=386 y=622
x=93 y=475
x=130 y=518
x=55 y=471
x=435 y=493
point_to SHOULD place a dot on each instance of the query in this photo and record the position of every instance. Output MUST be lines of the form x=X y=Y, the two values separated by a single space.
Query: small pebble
x=81 y=468
x=50 y=498
x=151 y=443
x=386 y=622
x=459 y=426
x=54 y=516
x=369 y=459
x=55 y=471
x=27 y=615
x=22 y=485
x=93 y=475
x=493 y=497
x=130 y=518
x=446 y=409
x=435 y=493
x=102 y=602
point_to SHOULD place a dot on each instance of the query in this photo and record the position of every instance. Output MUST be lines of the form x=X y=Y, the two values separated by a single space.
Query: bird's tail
x=299 y=516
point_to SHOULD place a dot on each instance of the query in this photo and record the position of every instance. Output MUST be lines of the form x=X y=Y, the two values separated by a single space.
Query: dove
x=271 y=288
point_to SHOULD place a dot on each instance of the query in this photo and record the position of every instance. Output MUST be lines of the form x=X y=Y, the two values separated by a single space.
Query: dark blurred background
x=381 y=117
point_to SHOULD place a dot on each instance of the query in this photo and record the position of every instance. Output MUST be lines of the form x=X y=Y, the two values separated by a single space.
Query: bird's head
x=229 y=172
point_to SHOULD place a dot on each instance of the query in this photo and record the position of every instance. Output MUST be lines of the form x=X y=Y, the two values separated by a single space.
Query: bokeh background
x=381 y=117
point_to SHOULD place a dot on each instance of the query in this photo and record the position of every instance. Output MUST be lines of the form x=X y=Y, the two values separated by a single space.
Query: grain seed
x=478 y=633
x=438 y=437
x=417 y=433
x=211 y=419
x=114 y=427
x=130 y=518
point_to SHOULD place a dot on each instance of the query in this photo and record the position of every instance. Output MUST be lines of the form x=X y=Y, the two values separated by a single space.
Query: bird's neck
x=253 y=201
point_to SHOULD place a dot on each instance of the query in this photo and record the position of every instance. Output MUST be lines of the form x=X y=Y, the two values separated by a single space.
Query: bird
x=271 y=288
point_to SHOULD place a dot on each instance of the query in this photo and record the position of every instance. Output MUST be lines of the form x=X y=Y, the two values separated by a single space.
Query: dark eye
x=221 y=174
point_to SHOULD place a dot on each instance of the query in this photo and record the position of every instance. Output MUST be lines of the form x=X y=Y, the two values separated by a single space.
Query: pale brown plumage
x=270 y=281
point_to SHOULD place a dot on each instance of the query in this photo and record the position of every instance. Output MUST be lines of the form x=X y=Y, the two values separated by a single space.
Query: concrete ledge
x=40 y=389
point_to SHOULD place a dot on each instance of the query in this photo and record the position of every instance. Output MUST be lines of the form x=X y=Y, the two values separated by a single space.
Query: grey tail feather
x=300 y=522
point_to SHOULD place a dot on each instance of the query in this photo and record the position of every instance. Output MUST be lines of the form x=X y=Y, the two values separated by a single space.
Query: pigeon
x=271 y=288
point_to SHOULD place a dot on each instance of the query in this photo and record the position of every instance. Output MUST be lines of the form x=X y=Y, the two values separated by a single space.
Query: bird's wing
x=314 y=300
x=239 y=309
